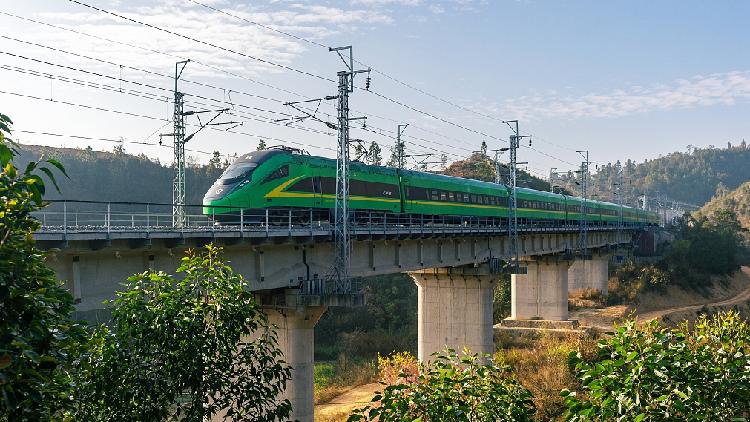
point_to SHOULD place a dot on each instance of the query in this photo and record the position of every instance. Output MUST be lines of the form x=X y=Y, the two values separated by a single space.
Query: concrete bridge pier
x=454 y=310
x=541 y=293
x=590 y=274
x=297 y=340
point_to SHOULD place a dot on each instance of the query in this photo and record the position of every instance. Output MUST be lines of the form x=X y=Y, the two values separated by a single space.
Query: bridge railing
x=64 y=216
x=95 y=216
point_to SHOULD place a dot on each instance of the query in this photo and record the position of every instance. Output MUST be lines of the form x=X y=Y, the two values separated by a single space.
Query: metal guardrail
x=66 y=216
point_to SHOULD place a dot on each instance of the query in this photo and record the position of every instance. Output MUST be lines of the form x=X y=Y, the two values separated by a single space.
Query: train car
x=437 y=195
x=540 y=208
x=267 y=184
x=275 y=179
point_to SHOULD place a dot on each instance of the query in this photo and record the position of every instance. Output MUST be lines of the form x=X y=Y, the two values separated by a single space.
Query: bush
x=659 y=374
x=452 y=388
x=38 y=341
x=186 y=349
x=398 y=368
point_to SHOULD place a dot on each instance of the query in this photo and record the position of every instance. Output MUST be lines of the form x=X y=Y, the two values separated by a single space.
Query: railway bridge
x=95 y=246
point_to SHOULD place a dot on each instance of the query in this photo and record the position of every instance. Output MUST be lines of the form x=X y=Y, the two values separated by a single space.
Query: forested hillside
x=480 y=166
x=116 y=176
x=737 y=200
x=693 y=177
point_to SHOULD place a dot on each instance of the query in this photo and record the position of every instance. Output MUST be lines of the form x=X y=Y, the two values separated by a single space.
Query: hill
x=117 y=176
x=480 y=167
x=693 y=177
x=737 y=200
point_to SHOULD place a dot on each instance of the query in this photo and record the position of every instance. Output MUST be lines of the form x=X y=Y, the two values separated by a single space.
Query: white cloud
x=697 y=91
x=307 y=20
x=372 y=3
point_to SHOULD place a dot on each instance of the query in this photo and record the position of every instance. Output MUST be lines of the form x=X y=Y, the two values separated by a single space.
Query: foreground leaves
x=664 y=374
x=188 y=349
x=451 y=388
x=38 y=341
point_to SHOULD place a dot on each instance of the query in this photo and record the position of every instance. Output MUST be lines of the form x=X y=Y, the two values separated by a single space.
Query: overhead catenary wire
x=282 y=66
x=144 y=116
x=225 y=90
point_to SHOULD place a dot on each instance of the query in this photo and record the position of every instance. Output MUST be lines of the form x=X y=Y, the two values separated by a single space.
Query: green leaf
x=51 y=177
x=58 y=165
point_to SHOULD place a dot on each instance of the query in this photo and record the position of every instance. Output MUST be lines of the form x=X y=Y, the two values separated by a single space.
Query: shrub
x=398 y=368
x=186 y=349
x=452 y=388
x=659 y=374
x=38 y=341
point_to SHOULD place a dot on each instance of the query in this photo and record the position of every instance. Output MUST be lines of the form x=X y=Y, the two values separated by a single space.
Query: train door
x=403 y=179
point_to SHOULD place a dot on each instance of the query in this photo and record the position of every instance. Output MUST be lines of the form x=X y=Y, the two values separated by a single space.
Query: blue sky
x=621 y=79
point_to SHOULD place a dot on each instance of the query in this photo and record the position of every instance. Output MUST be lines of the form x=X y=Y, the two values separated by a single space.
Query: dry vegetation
x=542 y=367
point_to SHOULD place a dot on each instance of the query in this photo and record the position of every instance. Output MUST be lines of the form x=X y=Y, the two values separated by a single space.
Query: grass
x=541 y=366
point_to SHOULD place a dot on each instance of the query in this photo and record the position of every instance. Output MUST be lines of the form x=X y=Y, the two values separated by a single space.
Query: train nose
x=216 y=192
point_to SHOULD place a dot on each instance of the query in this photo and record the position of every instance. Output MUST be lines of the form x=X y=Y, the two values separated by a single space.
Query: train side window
x=434 y=195
x=442 y=196
x=466 y=197
x=279 y=173
x=451 y=197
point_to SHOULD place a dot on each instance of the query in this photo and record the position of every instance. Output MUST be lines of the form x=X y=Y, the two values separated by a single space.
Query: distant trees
x=652 y=373
x=691 y=176
x=374 y=154
x=261 y=144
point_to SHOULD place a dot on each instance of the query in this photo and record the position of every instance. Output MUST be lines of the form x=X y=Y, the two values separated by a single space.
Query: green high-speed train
x=270 y=182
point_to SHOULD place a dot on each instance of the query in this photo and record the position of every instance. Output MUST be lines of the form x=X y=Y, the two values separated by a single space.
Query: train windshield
x=237 y=172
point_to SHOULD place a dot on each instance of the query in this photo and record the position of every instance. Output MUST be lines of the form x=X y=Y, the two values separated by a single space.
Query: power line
x=300 y=38
x=150 y=50
x=207 y=43
x=90 y=107
x=286 y=67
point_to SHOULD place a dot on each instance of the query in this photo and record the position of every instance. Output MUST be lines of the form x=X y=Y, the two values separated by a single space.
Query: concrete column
x=590 y=274
x=541 y=293
x=76 y=278
x=454 y=311
x=296 y=340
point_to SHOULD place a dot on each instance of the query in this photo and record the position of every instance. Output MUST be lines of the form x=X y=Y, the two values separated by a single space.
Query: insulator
x=367 y=83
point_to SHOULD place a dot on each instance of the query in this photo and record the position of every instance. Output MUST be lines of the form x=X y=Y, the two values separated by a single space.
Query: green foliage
x=186 y=349
x=737 y=200
x=691 y=176
x=480 y=167
x=452 y=388
x=387 y=323
x=705 y=246
x=107 y=176
x=666 y=374
x=38 y=341
x=501 y=299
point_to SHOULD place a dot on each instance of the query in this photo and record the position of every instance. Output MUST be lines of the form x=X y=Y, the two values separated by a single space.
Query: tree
x=452 y=388
x=654 y=373
x=187 y=349
x=215 y=161
x=374 y=154
x=360 y=152
x=261 y=144
x=38 y=341
x=483 y=148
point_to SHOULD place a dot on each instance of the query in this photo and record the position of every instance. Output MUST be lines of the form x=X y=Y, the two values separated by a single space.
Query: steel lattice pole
x=341 y=227
x=178 y=185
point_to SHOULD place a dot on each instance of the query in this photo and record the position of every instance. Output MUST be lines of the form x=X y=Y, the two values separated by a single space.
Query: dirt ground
x=339 y=408
x=673 y=303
